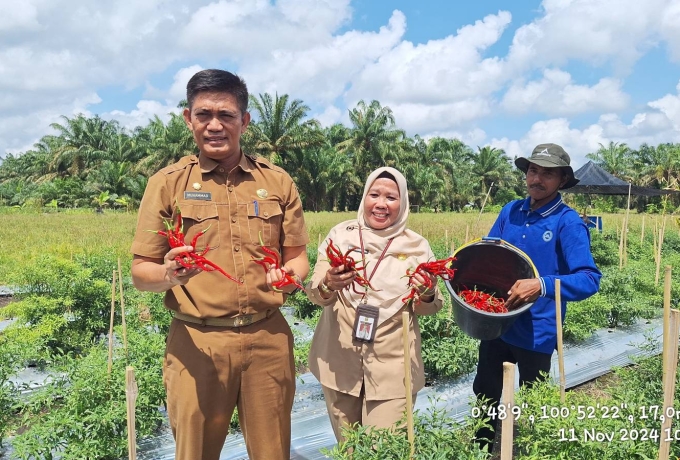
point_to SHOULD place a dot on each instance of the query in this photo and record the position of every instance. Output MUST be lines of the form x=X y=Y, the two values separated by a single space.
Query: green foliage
x=81 y=412
x=605 y=249
x=447 y=352
x=436 y=436
x=636 y=391
x=63 y=299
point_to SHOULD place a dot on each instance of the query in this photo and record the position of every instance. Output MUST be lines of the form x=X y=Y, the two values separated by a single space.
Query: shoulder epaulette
x=180 y=165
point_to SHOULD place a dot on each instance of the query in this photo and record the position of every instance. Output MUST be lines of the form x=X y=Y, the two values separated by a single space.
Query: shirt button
x=198 y=217
x=231 y=188
x=266 y=214
x=237 y=248
x=233 y=220
x=221 y=170
x=242 y=280
x=527 y=225
x=524 y=236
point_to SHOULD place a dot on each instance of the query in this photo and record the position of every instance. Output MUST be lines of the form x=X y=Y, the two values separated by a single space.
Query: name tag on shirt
x=205 y=196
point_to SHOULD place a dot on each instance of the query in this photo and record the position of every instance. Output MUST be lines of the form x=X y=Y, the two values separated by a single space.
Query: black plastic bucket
x=490 y=265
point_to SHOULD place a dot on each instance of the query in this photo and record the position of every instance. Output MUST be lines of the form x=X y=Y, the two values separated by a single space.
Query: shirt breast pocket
x=199 y=218
x=264 y=218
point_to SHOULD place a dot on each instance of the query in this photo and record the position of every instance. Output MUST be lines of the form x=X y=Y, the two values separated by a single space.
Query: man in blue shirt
x=554 y=236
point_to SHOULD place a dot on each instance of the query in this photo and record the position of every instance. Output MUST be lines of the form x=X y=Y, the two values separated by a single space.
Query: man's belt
x=238 y=321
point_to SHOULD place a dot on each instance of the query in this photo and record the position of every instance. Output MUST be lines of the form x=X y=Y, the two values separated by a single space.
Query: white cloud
x=596 y=32
x=251 y=29
x=669 y=105
x=556 y=94
x=332 y=115
x=145 y=111
x=320 y=72
x=447 y=70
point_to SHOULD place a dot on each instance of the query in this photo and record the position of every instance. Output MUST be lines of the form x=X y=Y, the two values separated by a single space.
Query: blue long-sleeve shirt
x=558 y=243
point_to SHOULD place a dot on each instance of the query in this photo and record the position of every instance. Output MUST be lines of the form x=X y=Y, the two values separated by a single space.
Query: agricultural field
x=60 y=265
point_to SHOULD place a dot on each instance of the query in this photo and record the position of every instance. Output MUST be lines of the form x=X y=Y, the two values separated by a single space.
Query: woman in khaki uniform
x=357 y=351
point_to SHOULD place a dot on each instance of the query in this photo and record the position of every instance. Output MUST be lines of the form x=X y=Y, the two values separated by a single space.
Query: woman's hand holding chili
x=426 y=284
x=337 y=278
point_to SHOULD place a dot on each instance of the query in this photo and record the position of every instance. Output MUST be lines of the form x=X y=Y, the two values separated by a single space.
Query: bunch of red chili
x=273 y=260
x=483 y=301
x=441 y=268
x=189 y=259
x=336 y=258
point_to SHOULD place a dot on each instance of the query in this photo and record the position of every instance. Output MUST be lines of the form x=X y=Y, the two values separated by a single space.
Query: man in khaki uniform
x=228 y=345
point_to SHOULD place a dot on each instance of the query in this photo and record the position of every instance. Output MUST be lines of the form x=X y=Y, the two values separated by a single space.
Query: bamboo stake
x=560 y=352
x=131 y=392
x=666 y=315
x=113 y=310
x=446 y=236
x=662 y=232
x=467 y=233
x=642 y=232
x=508 y=400
x=625 y=229
x=407 y=379
x=482 y=208
x=670 y=366
x=122 y=307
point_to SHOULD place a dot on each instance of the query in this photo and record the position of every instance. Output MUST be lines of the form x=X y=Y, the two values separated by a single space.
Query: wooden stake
x=508 y=400
x=662 y=231
x=122 y=307
x=446 y=236
x=560 y=353
x=666 y=314
x=670 y=366
x=467 y=233
x=642 y=232
x=625 y=229
x=113 y=311
x=482 y=208
x=131 y=392
x=405 y=320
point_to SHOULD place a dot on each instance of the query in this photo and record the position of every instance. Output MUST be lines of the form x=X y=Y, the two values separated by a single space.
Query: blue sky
x=508 y=74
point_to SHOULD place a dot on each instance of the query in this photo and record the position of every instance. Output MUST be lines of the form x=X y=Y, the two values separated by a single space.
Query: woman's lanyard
x=363 y=262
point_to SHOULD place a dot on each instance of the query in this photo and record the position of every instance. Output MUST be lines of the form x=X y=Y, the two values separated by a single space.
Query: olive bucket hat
x=549 y=156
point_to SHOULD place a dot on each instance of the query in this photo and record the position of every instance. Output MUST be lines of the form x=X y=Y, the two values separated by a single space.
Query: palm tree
x=658 y=167
x=280 y=131
x=491 y=165
x=374 y=138
x=82 y=142
x=614 y=158
x=164 y=144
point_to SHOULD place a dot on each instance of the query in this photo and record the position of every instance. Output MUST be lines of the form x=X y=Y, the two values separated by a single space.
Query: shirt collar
x=546 y=209
x=208 y=164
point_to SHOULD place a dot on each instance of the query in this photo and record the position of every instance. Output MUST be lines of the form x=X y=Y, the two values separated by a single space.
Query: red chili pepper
x=273 y=260
x=483 y=301
x=175 y=236
x=438 y=268
x=336 y=258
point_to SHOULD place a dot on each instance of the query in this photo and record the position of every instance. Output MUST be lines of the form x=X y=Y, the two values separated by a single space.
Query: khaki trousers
x=345 y=409
x=209 y=370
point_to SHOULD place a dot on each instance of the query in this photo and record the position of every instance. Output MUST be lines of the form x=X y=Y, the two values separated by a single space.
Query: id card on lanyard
x=366 y=318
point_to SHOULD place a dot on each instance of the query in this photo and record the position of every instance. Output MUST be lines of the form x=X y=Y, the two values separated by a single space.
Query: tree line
x=95 y=162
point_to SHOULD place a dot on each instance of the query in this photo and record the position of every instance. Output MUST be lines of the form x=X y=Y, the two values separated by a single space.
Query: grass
x=82 y=232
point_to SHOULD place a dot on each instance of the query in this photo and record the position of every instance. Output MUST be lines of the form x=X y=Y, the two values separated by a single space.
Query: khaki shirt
x=236 y=207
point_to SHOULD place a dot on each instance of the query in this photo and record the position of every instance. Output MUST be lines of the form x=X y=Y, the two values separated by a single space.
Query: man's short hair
x=218 y=81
